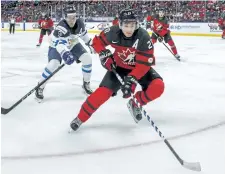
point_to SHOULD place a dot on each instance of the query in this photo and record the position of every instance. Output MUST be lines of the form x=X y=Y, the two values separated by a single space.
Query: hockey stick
x=7 y=110
x=191 y=166
x=166 y=46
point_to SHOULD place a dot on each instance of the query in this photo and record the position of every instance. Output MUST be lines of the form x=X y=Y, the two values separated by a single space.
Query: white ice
x=110 y=142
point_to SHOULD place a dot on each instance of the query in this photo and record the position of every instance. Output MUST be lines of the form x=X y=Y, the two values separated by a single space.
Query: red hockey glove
x=106 y=59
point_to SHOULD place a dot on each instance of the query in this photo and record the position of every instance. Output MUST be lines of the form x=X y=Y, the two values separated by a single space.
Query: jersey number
x=150 y=45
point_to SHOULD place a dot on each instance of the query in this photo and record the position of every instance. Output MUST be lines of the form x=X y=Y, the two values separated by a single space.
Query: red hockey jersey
x=135 y=54
x=160 y=25
x=45 y=23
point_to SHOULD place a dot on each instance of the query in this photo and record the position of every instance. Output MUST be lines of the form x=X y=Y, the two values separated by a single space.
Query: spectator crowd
x=177 y=11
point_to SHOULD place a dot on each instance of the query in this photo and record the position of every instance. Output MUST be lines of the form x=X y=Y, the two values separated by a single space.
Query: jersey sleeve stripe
x=103 y=41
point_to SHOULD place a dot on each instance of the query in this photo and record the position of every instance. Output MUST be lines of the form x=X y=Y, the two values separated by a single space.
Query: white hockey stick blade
x=192 y=166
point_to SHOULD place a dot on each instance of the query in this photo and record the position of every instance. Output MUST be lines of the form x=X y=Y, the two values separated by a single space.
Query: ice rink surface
x=190 y=113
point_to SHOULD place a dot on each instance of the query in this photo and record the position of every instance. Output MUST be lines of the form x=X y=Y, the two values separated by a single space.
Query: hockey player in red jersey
x=221 y=23
x=133 y=59
x=46 y=25
x=160 y=25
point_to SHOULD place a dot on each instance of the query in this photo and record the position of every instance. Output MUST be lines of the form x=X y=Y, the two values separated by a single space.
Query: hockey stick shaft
x=191 y=166
x=5 y=111
x=166 y=46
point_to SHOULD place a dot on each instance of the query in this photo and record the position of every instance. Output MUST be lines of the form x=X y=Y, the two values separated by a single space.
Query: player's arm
x=60 y=41
x=144 y=57
x=166 y=24
x=50 y=23
x=84 y=34
x=39 y=23
x=100 y=42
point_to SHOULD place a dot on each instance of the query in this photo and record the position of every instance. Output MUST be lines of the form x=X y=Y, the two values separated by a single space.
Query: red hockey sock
x=154 y=90
x=41 y=38
x=172 y=46
x=93 y=102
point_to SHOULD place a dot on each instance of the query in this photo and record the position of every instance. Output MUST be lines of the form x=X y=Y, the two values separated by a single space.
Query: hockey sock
x=86 y=66
x=41 y=38
x=51 y=67
x=154 y=90
x=172 y=46
x=93 y=102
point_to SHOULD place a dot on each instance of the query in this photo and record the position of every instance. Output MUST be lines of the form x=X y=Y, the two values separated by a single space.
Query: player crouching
x=65 y=45
x=132 y=59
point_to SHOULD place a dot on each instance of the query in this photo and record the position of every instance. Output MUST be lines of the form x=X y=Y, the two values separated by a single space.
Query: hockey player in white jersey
x=65 y=45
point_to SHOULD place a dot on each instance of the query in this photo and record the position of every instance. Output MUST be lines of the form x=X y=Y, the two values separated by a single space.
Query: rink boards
x=179 y=29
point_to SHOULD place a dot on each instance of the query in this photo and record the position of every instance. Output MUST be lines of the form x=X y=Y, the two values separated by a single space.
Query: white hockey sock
x=86 y=66
x=49 y=69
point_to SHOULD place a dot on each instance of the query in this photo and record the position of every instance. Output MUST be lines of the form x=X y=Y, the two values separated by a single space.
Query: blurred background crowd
x=177 y=11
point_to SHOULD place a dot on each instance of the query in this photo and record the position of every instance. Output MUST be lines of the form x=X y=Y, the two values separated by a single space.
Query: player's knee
x=86 y=59
x=155 y=89
x=53 y=65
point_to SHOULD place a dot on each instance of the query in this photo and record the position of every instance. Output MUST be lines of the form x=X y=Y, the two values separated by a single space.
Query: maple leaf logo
x=127 y=56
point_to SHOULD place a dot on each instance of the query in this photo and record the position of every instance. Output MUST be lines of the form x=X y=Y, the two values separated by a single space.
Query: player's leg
x=152 y=88
x=168 y=39
x=154 y=38
x=54 y=62
x=107 y=87
x=13 y=28
x=42 y=33
x=10 y=28
x=85 y=58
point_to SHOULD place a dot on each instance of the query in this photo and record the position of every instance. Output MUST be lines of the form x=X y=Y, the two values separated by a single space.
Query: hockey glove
x=160 y=39
x=129 y=86
x=106 y=59
x=68 y=57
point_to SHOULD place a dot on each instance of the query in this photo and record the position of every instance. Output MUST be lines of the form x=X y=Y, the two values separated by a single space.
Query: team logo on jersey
x=127 y=56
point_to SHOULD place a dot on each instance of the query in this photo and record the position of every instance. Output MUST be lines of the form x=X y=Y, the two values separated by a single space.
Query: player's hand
x=129 y=86
x=68 y=57
x=160 y=38
x=88 y=44
x=159 y=27
x=106 y=59
x=39 y=26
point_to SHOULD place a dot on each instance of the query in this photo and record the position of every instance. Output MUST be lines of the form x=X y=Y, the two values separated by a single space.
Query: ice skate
x=39 y=95
x=86 y=87
x=75 y=124
x=134 y=111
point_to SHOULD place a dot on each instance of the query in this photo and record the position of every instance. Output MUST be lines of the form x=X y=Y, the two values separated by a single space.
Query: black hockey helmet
x=69 y=10
x=128 y=15
x=161 y=12
x=70 y=15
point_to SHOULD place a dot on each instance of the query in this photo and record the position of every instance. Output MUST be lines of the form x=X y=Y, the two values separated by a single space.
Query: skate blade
x=38 y=100
x=131 y=112
x=85 y=92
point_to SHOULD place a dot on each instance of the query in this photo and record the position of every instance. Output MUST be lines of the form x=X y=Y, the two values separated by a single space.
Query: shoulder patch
x=61 y=29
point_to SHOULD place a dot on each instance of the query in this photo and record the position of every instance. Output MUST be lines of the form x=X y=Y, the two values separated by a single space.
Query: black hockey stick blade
x=4 y=111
